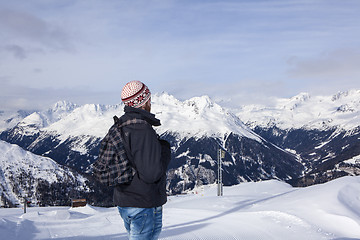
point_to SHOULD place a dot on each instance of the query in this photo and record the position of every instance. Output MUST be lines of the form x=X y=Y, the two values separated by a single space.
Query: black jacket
x=150 y=157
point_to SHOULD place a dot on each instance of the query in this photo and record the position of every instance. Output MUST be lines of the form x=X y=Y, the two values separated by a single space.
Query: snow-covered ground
x=264 y=210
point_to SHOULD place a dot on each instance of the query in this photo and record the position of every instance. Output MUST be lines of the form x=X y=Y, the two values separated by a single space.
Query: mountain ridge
x=306 y=111
x=196 y=128
x=302 y=110
x=39 y=180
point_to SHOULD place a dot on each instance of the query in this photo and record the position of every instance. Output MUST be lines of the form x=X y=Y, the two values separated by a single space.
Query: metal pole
x=220 y=184
x=221 y=177
x=218 y=175
x=25 y=203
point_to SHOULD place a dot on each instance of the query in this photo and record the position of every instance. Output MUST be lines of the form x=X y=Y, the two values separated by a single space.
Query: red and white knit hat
x=135 y=94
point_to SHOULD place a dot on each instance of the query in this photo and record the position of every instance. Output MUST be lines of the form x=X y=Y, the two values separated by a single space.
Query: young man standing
x=140 y=202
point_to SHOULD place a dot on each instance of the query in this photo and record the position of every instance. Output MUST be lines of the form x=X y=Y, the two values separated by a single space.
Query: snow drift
x=269 y=210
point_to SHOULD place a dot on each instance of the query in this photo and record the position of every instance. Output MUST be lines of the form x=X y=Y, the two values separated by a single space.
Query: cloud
x=336 y=64
x=16 y=50
x=16 y=97
x=337 y=70
x=23 y=33
x=232 y=49
x=229 y=93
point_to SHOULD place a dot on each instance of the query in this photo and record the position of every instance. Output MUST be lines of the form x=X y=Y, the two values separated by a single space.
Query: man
x=140 y=202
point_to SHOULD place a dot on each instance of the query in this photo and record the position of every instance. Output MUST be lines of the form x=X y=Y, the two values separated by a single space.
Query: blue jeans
x=142 y=223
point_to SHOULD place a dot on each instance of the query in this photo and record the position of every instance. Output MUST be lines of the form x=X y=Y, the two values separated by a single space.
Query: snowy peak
x=347 y=95
x=45 y=118
x=348 y=101
x=18 y=168
x=87 y=120
x=10 y=119
x=197 y=117
x=164 y=98
x=201 y=104
x=62 y=106
x=195 y=105
x=296 y=101
x=68 y=119
x=15 y=158
x=305 y=111
x=201 y=116
x=59 y=110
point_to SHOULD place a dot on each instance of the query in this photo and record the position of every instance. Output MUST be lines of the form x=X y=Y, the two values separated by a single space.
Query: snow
x=9 y=119
x=306 y=111
x=199 y=116
x=15 y=161
x=354 y=160
x=263 y=210
x=196 y=117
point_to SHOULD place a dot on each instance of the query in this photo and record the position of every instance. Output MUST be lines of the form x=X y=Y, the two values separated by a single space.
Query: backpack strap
x=126 y=145
x=116 y=119
x=128 y=122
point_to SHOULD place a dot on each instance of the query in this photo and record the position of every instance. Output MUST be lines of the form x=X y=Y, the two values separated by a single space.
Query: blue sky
x=237 y=52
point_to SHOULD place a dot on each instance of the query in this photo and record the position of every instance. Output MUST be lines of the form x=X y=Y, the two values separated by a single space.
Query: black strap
x=127 y=147
x=116 y=119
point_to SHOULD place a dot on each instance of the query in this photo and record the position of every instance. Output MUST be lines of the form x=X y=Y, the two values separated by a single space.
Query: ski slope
x=253 y=211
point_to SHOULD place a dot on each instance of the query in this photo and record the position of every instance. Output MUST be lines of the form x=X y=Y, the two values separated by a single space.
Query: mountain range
x=302 y=140
x=41 y=181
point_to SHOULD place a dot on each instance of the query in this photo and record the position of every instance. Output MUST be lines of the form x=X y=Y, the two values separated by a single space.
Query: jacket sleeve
x=146 y=151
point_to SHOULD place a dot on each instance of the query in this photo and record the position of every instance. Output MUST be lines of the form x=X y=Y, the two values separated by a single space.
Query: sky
x=236 y=52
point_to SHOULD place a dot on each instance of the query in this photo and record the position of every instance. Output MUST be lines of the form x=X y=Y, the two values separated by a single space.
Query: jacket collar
x=143 y=114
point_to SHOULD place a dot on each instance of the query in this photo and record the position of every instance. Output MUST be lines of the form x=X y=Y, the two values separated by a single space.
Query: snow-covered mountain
x=323 y=130
x=197 y=117
x=9 y=119
x=312 y=137
x=196 y=128
x=66 y=132
x=306 y=111
x=40 y=180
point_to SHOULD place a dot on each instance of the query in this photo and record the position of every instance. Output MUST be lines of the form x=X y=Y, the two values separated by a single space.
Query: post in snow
x=221 y=155
x=25 y=204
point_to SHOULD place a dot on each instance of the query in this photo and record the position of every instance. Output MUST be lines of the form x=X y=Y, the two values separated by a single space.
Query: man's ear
x=147 y=105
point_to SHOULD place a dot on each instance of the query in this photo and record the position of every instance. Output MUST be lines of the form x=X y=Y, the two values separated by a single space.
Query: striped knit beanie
x=135 y=94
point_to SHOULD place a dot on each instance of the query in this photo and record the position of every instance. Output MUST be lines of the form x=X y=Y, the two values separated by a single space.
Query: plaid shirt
x=113 y=166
